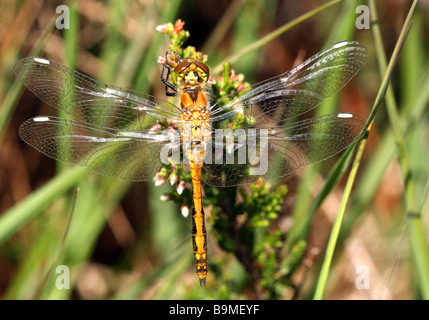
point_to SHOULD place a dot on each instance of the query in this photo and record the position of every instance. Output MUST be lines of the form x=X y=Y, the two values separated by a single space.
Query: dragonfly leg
x=164 y=79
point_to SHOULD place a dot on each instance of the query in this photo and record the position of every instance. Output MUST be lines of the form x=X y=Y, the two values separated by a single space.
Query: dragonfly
x=110 y=130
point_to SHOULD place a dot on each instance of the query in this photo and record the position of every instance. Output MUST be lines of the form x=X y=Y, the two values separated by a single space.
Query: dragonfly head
x=191 y=72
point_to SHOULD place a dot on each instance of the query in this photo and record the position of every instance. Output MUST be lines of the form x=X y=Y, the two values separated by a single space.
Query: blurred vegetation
x=122 y=241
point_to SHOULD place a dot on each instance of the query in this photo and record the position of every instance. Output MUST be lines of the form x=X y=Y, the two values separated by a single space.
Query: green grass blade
x=264 y=40
x=300 y=232
x=14 y=91
x=303 y=213
x=323 y=276
x=420 y=249
x=25 y=211
x=222 y=27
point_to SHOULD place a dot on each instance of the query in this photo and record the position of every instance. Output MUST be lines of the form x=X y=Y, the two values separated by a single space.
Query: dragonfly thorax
x=194 y=104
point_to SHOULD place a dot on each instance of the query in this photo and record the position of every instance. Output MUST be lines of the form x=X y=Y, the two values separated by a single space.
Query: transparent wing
x=91 y=101
x=274 y=152
x=123 y=154
x=273 y=101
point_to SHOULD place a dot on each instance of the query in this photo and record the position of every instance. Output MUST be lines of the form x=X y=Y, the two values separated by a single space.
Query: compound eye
x=203 y=70
x=203 y=67
x=182 y=66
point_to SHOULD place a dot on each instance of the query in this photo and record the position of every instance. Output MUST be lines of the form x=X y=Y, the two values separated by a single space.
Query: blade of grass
x=25 y=211
x=324 y=272
x=264 y=40
x=114 y=42
x=222 y=27
x=15 y=90
x=138 y=45
x=179 y=259
x=374 y=170
x=244 y=34
x=70 y=44
x=172 y=276
x=303 y=213
x=323 y=275
x=414 y=92
x=71 y=36
x=418 y=242
x=148 y=73
x=300 y=232
x=50 y=273
x=148 y=68
x=91 y=214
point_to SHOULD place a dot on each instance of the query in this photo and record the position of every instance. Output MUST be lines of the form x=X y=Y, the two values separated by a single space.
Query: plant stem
x=413 y=211
x=321 y=283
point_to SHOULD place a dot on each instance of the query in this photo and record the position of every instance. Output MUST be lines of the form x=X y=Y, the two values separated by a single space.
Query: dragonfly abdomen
x=199 y=237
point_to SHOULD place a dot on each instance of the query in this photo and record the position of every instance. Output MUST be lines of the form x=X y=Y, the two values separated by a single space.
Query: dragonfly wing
x=127 y=155
x=274 y=152
x=91 y=101
x=273 y=101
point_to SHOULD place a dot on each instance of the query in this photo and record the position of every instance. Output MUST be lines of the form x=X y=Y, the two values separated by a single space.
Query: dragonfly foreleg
x=164 y=79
